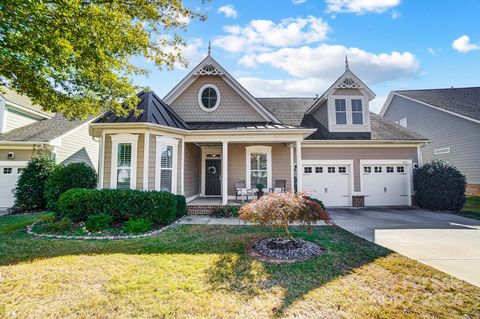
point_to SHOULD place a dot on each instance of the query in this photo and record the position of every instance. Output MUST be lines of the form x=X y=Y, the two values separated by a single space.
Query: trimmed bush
x=63 y=178
x=30 y=189
x=227 y=211
x=181 y=205
x=59 y=226
x=137 y=226
x=158 y=207
x=439 y=186
x=98 y=222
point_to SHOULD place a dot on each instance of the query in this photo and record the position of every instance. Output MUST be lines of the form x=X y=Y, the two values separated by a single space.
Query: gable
x=232 y=107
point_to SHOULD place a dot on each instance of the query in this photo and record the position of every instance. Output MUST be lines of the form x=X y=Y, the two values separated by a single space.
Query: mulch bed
x=283 y=250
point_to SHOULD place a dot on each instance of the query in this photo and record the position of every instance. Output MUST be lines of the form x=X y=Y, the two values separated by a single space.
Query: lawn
x=202 y=272
x=472 y=207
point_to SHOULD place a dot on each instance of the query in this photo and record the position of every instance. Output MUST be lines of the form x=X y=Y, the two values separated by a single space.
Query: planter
x=260 y=194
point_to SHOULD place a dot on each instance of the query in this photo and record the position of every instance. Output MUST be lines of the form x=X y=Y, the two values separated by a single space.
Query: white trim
x=182 y=169
x=443 y=150
x=13 y=163
x=194 y=197
x=224 y=173
x=409 y=171
x=124 y=138
x=146 y=156
x=27 y=110
x=419 y=157
x=258 y=149
x=298 y=149
x=3 y=115
x=389 y=99
x=168 y=141
x=349 y=127
x=292 y=169
x=200 y=92
x=101 y=159
x=205 y=150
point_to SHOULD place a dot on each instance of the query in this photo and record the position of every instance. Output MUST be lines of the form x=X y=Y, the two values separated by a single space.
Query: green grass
x=202 y=271
x=472 y=207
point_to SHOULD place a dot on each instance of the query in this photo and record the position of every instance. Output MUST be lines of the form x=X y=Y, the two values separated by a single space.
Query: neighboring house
x=450 y=119
x=209 y=135
x=25 y=128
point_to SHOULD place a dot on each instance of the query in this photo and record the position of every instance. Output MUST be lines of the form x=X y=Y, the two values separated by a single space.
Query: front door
x=212 y=177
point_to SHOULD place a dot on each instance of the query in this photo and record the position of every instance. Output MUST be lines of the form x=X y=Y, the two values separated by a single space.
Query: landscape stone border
x=119 y=237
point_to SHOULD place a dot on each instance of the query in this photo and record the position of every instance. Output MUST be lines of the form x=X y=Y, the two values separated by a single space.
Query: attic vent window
x=209 y=98
x=209 y=69
x=349 y=84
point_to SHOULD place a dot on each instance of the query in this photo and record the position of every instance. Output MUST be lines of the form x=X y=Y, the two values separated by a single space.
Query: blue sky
x=297 y=47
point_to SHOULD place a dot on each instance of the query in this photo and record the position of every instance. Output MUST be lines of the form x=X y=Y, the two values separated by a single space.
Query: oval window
x=209 y=97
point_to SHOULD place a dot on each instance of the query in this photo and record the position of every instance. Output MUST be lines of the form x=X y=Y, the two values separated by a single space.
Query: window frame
x=343 y=112
x=258 y=149
x=357 y=112
x=200 y=92
x=349 y=127
x=124 y=138
x=166 y=141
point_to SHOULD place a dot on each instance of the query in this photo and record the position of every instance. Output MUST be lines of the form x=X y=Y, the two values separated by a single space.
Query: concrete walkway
x=447 y=242
x=209 y=220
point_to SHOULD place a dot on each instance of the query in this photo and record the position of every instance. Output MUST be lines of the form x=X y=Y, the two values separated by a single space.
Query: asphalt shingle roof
x=42 y=131
x=154 y=110
x=287 y=110
x=463 y=101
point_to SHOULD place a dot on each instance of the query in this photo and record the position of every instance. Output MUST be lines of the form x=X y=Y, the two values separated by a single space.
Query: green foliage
x=59 y=226
x=260 y=187
x=227 y=211
x=98 y=222
x=439 y=186
x=181 y=205
x=63 y=178
x=137 y=226
x=30 y=189
x=158 y=207
x=75 y=56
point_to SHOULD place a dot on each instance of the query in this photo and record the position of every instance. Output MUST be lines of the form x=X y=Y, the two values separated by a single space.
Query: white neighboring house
x=25 y=127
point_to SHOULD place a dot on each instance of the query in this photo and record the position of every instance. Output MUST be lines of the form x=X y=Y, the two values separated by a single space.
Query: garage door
x=8 y=180
x=387 y=184
x=328 y=183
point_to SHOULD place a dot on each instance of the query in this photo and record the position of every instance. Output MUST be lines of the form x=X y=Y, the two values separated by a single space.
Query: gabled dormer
x=344 y=107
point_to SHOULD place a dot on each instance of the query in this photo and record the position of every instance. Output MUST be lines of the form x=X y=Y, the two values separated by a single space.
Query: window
x=367 y=169
x=259 y=166
x=124 y=165
x=318 y=169
x=340 y=111
x=389 y=169
x=7 y=170
x=331 y=169
x=357 y=111
x=209 y=97
x=166 y=164
x=342 y=169
x=378 y=169
x=400 y=169
x=307 y=170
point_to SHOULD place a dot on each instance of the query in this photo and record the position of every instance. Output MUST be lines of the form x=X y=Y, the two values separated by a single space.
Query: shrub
x=59 y=226
x=98 y=222
x=157 y=207
x=227 y=211
x=439 y=186
x=181 y=205
x=137 y=226
x=280 y=209
x=63 y=178
x=30 y=189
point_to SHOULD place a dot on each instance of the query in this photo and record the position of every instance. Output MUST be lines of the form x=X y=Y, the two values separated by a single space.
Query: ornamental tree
x=75 y=56
x=279 y=210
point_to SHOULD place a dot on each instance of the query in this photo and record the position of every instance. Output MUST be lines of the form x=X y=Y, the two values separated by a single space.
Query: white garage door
x=329 y=183
x=8 y=180
x=385 y=184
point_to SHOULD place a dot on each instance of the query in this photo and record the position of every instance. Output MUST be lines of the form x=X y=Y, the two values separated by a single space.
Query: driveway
x=447 y=242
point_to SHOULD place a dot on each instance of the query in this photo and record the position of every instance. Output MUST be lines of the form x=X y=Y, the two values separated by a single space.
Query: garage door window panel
x=307 y=170
x=331 y=169
x=367 y=169
x=318 y=169
x=400 y=169
x=7 y=170
x=378 y=169
x=342 y=169
x=389 y=169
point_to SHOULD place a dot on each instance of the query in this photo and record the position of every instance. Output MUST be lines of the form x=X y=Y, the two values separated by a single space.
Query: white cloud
x=259 y=35
x=377 y=103
x=192 y=52
x=228 y=10
x=326 y=61
x=395 y=15
x=361 y=6
x=433 y=51
x=463 y=44
x=292 y=87
x=299 y=1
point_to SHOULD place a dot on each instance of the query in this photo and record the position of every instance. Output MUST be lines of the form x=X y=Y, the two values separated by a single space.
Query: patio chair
x=242 y=191
x=280 y=186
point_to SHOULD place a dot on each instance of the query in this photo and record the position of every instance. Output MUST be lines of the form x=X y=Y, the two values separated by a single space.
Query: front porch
x=207 y=205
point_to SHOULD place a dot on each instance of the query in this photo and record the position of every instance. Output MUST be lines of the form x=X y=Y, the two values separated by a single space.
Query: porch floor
x=211 y=201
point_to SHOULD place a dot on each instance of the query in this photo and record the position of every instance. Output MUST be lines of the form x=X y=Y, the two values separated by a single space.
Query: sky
x=297 y=48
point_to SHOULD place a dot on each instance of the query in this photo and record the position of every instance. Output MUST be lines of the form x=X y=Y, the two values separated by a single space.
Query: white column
x=298 y=147
x=101 y=161
x=224 y=173
x=182 y=169
x=292 y=169
x=146 y=155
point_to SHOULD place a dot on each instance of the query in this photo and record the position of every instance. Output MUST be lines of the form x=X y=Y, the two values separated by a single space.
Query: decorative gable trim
x=211 y=67
x=348 y=83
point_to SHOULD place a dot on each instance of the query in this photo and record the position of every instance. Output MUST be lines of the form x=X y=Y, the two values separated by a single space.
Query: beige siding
x=281 y=166
x=232 y=106
x=193 y=155
x=359 y=153
x=20 y=155
x=78 y=146
x=347 y=92
x=151 y=163
x=140 y=158
x=16 y=119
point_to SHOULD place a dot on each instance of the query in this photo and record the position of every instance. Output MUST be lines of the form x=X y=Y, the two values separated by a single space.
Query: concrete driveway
x=447 y=242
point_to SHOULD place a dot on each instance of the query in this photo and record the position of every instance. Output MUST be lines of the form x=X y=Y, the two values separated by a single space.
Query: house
x=449 y=118
x=26 y=129
x=209 y=134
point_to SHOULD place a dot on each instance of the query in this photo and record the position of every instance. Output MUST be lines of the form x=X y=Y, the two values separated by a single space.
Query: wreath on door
x=212 y=170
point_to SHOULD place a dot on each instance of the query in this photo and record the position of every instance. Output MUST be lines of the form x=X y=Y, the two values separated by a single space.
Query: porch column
x=298 y=148
x=292 y=169
x=224 y=173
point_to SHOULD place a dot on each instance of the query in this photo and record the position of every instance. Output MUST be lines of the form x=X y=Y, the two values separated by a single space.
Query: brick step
x=202 y=209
